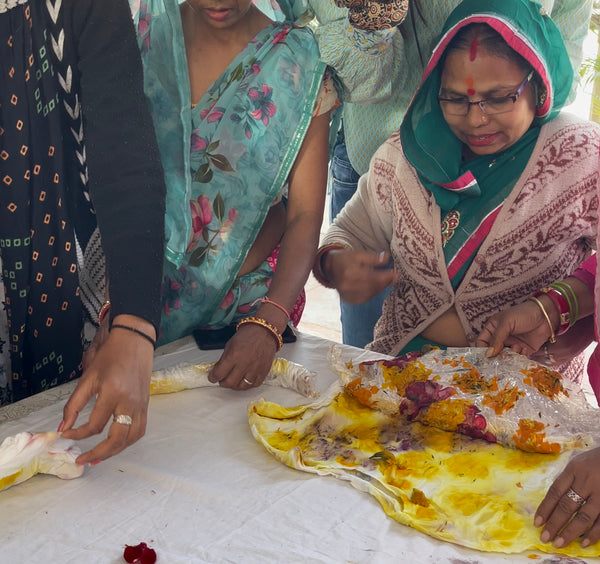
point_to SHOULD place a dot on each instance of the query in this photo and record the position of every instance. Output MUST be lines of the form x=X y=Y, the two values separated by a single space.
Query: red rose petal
x=139 y=554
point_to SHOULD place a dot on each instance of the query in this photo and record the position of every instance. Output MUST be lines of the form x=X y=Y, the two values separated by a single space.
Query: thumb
x=375 y=260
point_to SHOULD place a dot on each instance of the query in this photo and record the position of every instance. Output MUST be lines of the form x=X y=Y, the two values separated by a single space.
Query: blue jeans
x=359 y=320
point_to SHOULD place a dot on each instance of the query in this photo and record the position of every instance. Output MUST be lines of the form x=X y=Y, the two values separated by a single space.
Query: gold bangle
x=552 y=338
x=268 y=326
x=103 y=311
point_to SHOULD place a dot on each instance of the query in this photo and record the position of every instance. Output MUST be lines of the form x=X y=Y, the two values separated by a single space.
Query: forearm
x=296 y=254
x=125 y=173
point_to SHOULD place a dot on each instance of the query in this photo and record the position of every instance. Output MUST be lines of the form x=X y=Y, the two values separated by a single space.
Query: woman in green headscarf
x=486 y=195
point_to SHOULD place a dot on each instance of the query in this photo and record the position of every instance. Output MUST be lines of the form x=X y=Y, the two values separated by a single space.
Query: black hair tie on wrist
x=134 y=330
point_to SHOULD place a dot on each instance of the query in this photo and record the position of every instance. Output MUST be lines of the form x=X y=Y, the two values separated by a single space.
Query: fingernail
x=585 y=543
x=558 y=542
x=95 y=462
x=60 y=427
x=489 y=352
x=381 y=256
x=537 y=522
x=545 y=536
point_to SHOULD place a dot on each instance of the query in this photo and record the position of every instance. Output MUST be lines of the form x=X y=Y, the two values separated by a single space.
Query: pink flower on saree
x=264 y=107
x=227 y=300
x=202 y=214
x=170 y=295
x=212 y=114
x=282 y=35
x=198 y=143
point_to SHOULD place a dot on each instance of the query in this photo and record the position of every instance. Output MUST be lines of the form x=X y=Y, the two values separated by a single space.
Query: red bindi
x=471 y=90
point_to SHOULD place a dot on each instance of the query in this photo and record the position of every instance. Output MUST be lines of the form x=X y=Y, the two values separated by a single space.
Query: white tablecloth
x=198 y=488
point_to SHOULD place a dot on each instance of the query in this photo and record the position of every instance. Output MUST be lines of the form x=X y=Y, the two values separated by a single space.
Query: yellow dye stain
x=426 y=513
x=9 y=480
x=284 y=441
x=470 y=465
x=447 y=414
x=345 y=462
x=418 y=464
x=351 y=408
x=437 y=440
x=487 y=507
x=533 y=556
x=509 y=527
x=365 y=437
x=521 y=460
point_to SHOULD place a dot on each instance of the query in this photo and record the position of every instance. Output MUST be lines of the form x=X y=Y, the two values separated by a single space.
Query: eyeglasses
x=489 y=106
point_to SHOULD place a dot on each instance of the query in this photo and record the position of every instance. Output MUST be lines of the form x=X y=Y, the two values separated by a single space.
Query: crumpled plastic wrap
x=185 y=376
x=26 y=454
x=507 y=399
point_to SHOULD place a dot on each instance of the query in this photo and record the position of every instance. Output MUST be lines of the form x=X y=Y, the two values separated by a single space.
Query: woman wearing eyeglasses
x=486 y=194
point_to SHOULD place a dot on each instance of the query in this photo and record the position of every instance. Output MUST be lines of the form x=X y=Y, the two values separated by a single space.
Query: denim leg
x=344 y=179
x=358 y=321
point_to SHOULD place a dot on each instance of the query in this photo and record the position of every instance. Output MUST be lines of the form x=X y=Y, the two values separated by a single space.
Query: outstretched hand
x=571 y=507
x=358 y=276
x=119 y=375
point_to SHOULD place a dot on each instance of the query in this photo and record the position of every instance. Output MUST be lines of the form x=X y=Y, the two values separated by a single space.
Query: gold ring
x=123 y=419
x=574 y=496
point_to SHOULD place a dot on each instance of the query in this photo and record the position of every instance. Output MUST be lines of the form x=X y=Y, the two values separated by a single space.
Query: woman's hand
x=119 y=375
x=246 y=360
x=523 y=328
x=357 y=276
x=579 y=480
x=373 y=15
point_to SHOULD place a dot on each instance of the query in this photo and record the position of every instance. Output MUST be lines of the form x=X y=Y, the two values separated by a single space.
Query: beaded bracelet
x=136 y=331
x=266 y=300
x=268 y=326
x=317 y=265
x=571 y=298
x=552 y=338
x=562 y=305
x=103 y=311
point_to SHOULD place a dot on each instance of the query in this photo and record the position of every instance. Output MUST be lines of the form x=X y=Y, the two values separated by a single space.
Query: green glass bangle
x=571 y=298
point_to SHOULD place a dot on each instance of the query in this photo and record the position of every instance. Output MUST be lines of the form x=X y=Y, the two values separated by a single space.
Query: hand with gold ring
x=119 y=376
x=571 y=508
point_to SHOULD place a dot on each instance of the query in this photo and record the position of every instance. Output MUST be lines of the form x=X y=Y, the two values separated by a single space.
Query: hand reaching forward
x=523 y=328
x=119 y=375
x=357 y=276
x=573 y=500
x=246 y=360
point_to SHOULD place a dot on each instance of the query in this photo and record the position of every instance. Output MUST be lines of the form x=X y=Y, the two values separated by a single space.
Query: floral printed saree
x=226 y=159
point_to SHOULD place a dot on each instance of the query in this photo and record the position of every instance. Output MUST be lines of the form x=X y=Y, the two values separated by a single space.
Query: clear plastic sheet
x=507 y=399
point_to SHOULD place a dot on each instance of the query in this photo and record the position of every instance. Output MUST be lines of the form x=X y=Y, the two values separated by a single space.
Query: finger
x=557 y=490
x=102 y=412
x=584 y=519
x=115 y=442
x=221 y=369
x=564 y=510
x=592 y=536
x=373 y=260
x=78 y=400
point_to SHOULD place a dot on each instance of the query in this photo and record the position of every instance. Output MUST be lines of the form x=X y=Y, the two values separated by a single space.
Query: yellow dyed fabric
x=451 y=487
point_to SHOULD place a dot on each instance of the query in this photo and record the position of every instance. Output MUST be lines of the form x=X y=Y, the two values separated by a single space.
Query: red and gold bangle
x=562 y=305
x=268 y=326
x=317 y=265
x=103 y=311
